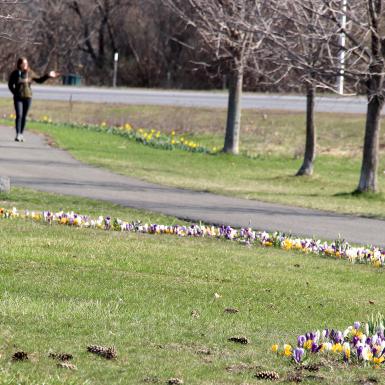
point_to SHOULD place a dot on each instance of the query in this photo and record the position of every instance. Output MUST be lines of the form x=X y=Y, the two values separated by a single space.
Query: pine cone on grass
x=295 y=377
x=61 y=356
x=20 y=356
x=311 y=367
x=239 y=340
x=108 y=352
x=175 y=381
x=267 y=375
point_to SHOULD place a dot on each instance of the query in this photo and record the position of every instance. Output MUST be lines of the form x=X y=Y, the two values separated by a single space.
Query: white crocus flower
x=348 y=331
x=328 y=346
x=366 y=353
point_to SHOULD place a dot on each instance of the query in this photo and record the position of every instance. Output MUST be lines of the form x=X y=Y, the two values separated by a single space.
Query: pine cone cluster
x=267 y=375
x=108 y=352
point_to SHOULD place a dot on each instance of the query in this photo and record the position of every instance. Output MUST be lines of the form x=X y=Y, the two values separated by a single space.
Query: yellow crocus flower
x=287 y=350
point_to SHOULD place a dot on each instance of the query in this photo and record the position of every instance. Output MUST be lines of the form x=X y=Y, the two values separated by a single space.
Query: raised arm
x=40 y=80
x=50 y=75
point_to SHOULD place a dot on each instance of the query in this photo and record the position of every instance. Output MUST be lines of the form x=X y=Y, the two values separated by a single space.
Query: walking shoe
x=17 y=139
x=21 y=138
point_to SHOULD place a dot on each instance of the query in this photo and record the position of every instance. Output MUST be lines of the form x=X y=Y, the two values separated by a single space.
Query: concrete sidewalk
x=34 y=164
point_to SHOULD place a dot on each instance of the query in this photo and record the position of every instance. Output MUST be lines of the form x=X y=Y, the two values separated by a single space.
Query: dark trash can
x=72 y=80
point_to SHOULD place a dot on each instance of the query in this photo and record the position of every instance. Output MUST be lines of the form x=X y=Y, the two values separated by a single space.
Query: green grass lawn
x=266 y=177
x=63 y=288
x=263 y=132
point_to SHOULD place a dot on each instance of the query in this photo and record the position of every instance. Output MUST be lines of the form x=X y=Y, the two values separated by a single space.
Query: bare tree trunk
x=310 y=148
x=368 y=178
x=233 y=125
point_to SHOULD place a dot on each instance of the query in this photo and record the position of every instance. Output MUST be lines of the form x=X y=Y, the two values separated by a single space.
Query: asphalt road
x=36 y=165
x=191 y=98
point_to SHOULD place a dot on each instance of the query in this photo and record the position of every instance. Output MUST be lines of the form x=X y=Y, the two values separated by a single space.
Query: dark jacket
x=19 y=83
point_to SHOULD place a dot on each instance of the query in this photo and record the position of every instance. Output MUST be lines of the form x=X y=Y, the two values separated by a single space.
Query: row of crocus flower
x=357 y=344
x=150 y=137
x=337 y=249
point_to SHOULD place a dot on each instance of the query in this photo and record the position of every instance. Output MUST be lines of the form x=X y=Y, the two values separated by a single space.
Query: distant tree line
x=156 y=48
x=236 y=44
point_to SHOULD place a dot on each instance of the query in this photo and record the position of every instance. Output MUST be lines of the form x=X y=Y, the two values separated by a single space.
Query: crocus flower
x=298 y=354
x=301 y=340
x=274 y=348
x=287 y=350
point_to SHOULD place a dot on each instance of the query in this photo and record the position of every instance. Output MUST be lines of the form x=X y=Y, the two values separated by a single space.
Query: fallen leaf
x=66 y=365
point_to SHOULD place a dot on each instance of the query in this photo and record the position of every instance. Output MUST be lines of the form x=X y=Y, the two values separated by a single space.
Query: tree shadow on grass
x=368 y=196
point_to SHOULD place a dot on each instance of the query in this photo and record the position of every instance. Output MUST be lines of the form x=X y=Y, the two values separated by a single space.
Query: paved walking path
x=36 y=165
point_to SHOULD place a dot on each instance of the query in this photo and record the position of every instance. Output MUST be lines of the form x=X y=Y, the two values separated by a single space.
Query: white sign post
x=116 y=59
x=341 y=56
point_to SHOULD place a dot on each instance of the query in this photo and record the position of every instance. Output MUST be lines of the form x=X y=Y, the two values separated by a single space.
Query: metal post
x=341 y=55
x=116 y=58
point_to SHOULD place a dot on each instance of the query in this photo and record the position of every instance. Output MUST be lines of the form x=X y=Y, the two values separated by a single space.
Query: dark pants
x=21 y=108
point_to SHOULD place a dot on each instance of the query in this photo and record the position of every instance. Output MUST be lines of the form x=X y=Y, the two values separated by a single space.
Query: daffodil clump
x=337 y=249
x=150 y=137
x=358 y=344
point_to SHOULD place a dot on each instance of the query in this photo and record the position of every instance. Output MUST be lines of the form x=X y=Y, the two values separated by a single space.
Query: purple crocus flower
x=298 y=354
x=357 y=325
x=301 y=340
x=360 y=350
x=314 y=347
x=338 y=337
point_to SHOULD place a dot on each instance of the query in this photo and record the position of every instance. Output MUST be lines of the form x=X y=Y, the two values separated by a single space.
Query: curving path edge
x=34 y=164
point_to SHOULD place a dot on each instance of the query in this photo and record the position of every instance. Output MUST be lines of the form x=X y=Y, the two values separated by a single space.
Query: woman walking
x=20 y=85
